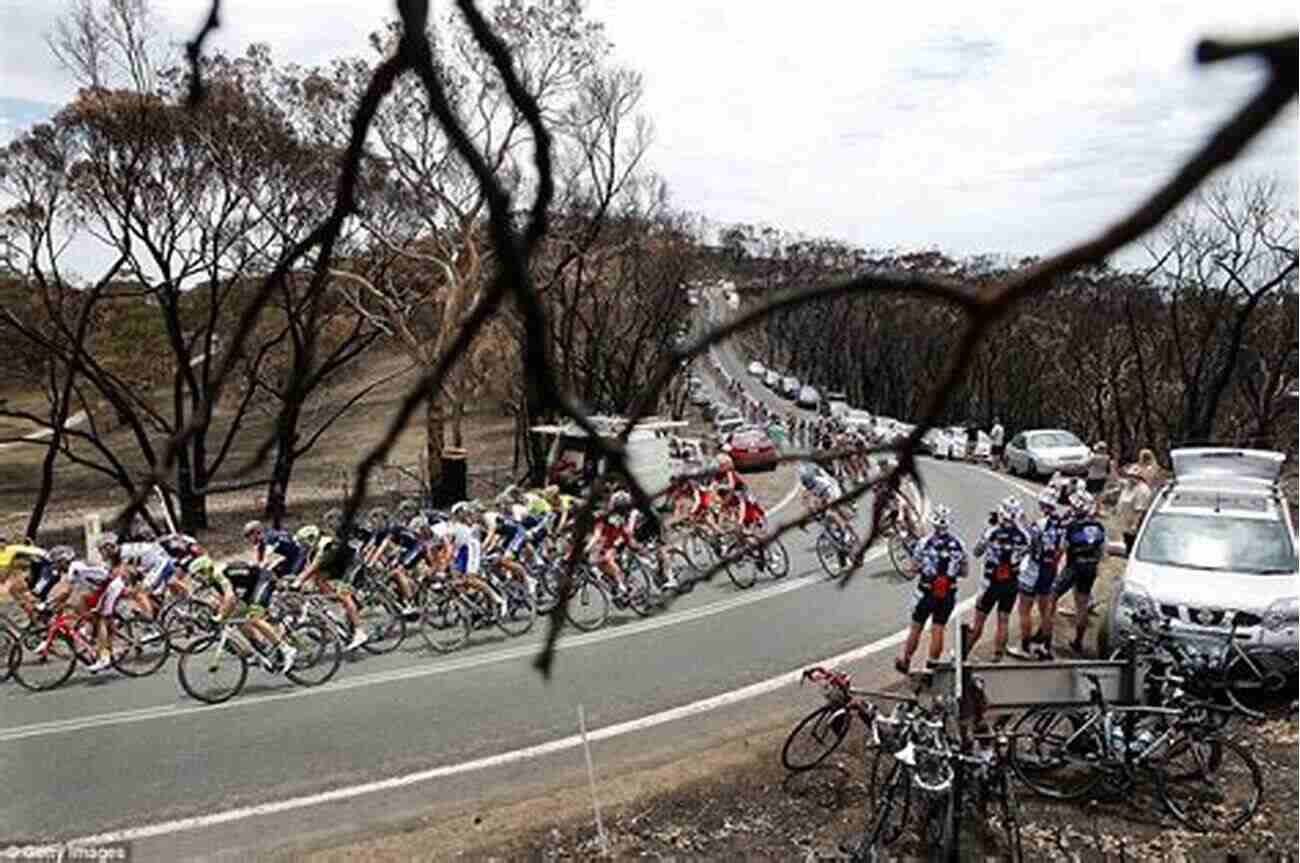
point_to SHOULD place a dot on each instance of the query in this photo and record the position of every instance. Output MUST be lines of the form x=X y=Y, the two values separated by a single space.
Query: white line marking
x=528 y=753
x=172 y=711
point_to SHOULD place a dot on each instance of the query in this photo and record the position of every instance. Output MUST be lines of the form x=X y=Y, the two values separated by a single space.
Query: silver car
x=1217 y=544
x=1043 y=452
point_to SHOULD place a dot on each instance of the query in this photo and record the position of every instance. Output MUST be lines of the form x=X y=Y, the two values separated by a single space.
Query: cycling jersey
x=82 y=574
x=410 y=544
x=1045 y=550
x=942 y=558
x=151 y=560
x=1003 y=548
x=286 y=548
x=467 y=551
x=1085 y=545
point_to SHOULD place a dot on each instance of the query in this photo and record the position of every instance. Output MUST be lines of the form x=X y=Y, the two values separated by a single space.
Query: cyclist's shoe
x=1024 y=651
x=99 y=665
x=410 y=613
x=288 y=655
x=1077 y=646
x=359 y=638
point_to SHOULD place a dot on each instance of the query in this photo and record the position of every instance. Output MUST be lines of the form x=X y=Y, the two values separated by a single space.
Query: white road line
x=526 y=754
x=173 y=711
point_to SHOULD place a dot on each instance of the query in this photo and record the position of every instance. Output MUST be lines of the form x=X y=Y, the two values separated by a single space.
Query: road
x=397 y=736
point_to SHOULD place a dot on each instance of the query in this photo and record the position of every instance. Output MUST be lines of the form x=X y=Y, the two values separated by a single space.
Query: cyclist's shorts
x=467 y=560
x=1037 y=579
x=1001 y=594
x=937 y=611
x=516 y=540
x=1079 y=577
x=104 y=599
x=41 y=580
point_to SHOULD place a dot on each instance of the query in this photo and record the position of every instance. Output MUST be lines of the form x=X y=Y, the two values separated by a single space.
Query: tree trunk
x=277 y=494
x=433 y=441
x=194 y=506
x=47 y=481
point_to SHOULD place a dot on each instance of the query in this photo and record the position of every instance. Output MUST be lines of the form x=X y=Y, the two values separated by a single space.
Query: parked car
x=789 y=387
x=834 y=404
x=730 y=424
x=1043 y=452
x=957 y=443
x=808 y=397
x=935 y=442
x=771 y=380
x=726 y=414
x=983 y=448
x=756 y=369
x=1217 y=543
x=751 y=449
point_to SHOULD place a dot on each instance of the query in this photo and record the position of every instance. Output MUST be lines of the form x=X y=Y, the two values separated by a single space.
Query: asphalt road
x=109 y=754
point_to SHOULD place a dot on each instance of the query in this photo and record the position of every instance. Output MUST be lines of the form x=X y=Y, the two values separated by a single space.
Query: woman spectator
x=1142 y=478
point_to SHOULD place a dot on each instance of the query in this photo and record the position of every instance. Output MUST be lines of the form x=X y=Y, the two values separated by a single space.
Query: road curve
x=109 y=754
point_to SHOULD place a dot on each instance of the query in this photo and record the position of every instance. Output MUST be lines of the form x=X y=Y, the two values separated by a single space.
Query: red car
x=751 y=449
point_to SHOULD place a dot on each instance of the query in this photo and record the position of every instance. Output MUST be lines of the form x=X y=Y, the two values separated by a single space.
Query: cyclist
x=13 y=558
x=1003 y=547
x=1085 y=545
x=321 y=551
x=607 y=534
x=104 y=586
x=820 y=489
x=154 y=569
x=1038 y=577
x=943 y=562
x=639 y=530
x=507 y=533
x=393 y=538
x=455 y=547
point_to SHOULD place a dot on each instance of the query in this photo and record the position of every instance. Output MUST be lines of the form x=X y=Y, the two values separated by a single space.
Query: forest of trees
x=198 y=207
x=1200 y=346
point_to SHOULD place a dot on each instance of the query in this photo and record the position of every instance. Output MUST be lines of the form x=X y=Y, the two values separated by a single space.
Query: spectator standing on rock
x=1100 y=469
x=1142 y=476
x=996 y=435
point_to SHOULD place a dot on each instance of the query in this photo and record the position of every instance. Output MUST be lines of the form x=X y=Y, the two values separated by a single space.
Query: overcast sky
x=971 y=127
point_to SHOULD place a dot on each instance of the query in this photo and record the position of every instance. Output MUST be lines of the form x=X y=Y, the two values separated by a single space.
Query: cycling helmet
x=941 y=517
x=1082 y=502
x=419 y=524
x=442 y=532
x=108 y=546
x=252 y=527
x=333 y=519
x=308 y=535
x=620 y=499
x=1047 y=500
x=377 y=518
x=1010 y=510
x=408 y=509
x=807 y=471
x=460 y=511
x=61 y=555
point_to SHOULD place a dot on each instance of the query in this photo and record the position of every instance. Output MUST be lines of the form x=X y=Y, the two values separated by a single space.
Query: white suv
x=1217 y=539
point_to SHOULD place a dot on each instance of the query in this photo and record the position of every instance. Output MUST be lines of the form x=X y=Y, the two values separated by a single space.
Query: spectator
x=1099 y=468
x=996 y=435
x=1142 y=478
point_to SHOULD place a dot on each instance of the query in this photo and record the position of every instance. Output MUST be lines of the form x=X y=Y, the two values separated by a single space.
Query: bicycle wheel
x=743 y=571
x=890 y=814
x=139 y=646
x=776 y=559
x=1256 y=693
x=319 y=652
x=940 y=827
x=682 y=571
x=830 y=556
x=904 y=565
x=186 y=622
x=444 y=622
x=382 y=619
x=211 y=675
x=815 y=737
x=587 y=607
x=39 y=667
x=1210 y=785
x=1053 y=757
x=699 y=551
x=520 y=613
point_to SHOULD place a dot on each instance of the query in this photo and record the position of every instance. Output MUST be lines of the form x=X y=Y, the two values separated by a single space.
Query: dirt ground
x=736 y=802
